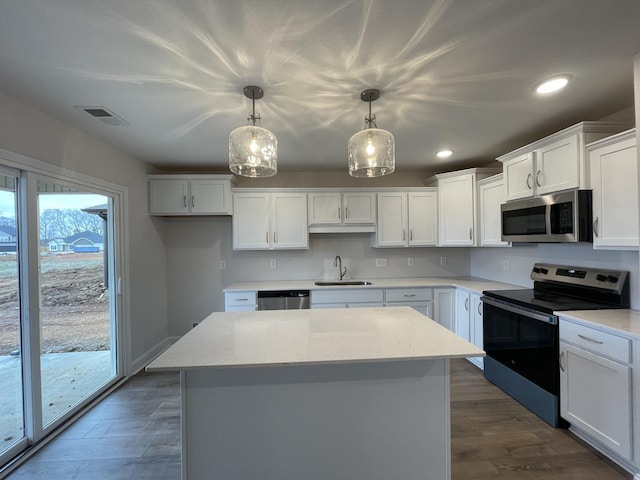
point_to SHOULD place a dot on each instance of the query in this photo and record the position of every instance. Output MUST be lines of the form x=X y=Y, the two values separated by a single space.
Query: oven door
x=524 y=341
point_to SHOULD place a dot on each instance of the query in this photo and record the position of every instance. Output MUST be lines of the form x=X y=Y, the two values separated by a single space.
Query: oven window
x=524 y=221
x=525 y=345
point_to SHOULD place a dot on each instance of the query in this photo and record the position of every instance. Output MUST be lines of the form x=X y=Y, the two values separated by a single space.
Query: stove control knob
x=544 y=271
x=601 y=278
x=612 y=279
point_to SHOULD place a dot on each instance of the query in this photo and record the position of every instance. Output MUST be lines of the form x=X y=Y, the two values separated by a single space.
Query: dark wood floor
x=134 y=434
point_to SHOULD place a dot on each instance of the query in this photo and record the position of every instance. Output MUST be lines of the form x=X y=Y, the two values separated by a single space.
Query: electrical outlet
x=505 y=264
x=273 y=263
x=382 y=262
x=443 y=260
x=411 y=261
x=223 y=264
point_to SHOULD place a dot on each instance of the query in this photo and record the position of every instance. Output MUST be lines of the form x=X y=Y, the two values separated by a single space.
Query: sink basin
x=339 y=283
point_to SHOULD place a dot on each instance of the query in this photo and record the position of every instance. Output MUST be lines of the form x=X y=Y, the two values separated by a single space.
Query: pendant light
x=372 y=150
x=253 y=150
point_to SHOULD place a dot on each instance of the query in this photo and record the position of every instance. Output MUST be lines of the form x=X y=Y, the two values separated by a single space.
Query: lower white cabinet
x=239 y=301
x=420 y=299
x=596 y=394
x=444 y=306
x=468 y=320
x=347 y=298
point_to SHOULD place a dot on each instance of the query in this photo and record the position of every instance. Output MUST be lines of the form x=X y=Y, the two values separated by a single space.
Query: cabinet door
x=456 y=213
x=518 y=177
x=491 y=195
x=359 y=207
x=476 y=327
x=444 y=306
x=595 y=397
x=325 y=208
x=289 y=221
x=251 y=221
x=392 y=219
x=463 y=311
x=614 y=170
x=423 y=218
x=170 y=196
x=210 y=197
x=558 y=166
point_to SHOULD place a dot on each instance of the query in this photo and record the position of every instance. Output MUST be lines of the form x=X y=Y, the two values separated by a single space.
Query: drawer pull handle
x=593 y=340
x=242 y=299
x=595 y=227
x=529 y=185
x=193 y=201
x=184 y=201
x=409 y=295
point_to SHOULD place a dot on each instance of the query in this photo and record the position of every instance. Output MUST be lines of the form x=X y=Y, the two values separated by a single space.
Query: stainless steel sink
x=340 y=283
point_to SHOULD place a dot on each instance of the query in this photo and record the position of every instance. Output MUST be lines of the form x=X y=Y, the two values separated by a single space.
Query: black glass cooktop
x=545 y=301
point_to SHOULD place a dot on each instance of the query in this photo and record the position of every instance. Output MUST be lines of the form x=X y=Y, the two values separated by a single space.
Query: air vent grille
x=104 y=115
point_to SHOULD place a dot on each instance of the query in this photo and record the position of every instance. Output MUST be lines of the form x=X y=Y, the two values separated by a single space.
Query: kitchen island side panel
x=360 y=421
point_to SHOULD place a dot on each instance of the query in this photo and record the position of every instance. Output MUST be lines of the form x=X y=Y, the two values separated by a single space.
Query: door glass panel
x=11 y=398
x=77 y=354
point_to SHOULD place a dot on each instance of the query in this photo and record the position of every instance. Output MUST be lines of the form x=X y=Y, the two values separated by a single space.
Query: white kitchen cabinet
x=468 y=320
x=418 y=298
x=554 y=163
x=240 y=301
x=190 y=194
x=613 y=165
x=347 y=297
x=444 y=306
x=596 y=394
x=457 y=206
x=407 y=219
x=353 y=210
x=270 y=220
x=491 y=194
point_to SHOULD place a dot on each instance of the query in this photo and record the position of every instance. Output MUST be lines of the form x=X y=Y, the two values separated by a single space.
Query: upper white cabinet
x=407 y=219
x=555 y=163
x=269 y=220
x=351 y=211
x=491 y=194
x=457 y=206
x=613 y=165
x=190 y=194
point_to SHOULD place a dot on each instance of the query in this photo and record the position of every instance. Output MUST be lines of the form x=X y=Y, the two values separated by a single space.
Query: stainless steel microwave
x=559 y=217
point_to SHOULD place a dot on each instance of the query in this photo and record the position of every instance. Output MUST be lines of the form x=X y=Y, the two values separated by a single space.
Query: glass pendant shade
x=372 y=153
x=253 y=152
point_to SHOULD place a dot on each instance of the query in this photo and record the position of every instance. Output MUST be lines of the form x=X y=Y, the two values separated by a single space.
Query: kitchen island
x=315 y=394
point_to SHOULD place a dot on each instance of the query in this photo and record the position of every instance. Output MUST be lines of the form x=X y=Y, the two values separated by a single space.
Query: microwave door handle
x=547 y=219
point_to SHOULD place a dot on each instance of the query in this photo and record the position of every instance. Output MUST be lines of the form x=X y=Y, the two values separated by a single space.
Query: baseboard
x=143 y=360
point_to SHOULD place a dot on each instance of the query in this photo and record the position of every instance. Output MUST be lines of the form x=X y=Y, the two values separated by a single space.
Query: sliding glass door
x=58 y=302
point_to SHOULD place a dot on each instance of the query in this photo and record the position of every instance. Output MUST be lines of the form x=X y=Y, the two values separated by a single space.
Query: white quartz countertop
x=323 y=336
x=614 y=321
x=470 y=283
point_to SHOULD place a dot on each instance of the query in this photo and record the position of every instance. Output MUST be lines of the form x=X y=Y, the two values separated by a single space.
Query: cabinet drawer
x=347 y=295
x=606 y=344
x=240 y=298
x=408 y=294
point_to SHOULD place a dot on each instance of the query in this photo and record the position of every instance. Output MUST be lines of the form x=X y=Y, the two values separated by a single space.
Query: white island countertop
x=305 y=337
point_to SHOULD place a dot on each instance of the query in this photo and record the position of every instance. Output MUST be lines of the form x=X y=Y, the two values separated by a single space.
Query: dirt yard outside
x=75 y=305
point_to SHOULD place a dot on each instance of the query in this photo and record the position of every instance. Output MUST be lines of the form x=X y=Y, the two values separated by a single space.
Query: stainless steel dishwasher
x=283 y=299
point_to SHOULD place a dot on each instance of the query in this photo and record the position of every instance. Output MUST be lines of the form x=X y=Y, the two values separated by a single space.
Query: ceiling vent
x=104 y=115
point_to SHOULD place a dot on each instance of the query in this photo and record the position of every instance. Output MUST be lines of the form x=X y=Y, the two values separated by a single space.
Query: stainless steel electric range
x=521 y=337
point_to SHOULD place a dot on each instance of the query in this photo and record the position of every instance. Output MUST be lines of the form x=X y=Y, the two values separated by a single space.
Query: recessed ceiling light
x=444 y=153
x=553 y=84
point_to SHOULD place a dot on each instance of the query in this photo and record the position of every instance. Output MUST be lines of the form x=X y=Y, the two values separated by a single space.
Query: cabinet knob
x=466 y=304
x=471 y=234
x=561 y=360
x=339 y=213
x=184 y=201
x=346 y=212
x=480 y=308
x=193 y=201
x=595 y=227
x=538 y=183
x=529 y=178
x=404 y=234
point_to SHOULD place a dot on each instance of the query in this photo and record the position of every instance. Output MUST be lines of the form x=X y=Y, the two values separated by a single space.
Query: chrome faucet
x=337 y=262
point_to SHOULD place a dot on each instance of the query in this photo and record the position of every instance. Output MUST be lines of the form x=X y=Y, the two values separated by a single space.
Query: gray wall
x=27 y=131
x=195 y=247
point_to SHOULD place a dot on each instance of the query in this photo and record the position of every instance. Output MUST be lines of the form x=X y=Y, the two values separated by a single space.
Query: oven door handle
x=551 y=319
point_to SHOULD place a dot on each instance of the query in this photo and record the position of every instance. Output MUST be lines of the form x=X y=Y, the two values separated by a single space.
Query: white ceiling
x=453 y=73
